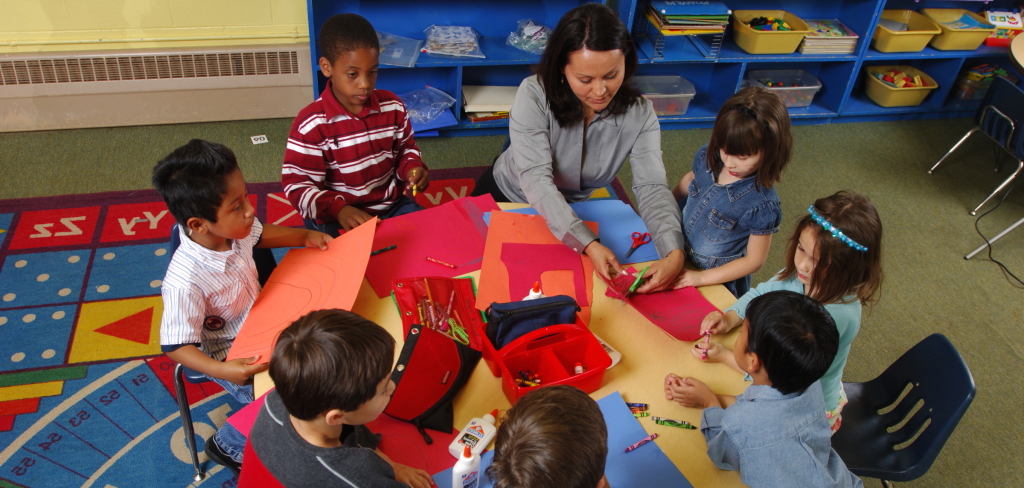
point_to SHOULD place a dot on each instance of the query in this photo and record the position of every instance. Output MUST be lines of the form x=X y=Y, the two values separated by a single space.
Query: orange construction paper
x=305 y=280
x=558 y=282
x=526 y=229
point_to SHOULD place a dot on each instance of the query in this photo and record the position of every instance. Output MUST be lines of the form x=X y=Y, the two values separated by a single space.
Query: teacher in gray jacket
x=572 y=126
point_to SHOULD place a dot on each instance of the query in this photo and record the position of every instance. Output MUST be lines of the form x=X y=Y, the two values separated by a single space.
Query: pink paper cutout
x=677 y=312
x=404 y=444
x=526 y=262
x=305 y=280
x=454 y=233
x=245 y=417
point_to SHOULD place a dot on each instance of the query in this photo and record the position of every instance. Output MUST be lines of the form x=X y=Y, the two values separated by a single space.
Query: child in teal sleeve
x=835 y=257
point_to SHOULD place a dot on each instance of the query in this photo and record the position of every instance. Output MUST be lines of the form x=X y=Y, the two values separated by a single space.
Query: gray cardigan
x=548 y=166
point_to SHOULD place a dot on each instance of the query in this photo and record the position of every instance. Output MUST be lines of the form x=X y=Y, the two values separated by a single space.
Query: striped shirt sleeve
x=304 y=170
x=184 y=312
x=406 y=151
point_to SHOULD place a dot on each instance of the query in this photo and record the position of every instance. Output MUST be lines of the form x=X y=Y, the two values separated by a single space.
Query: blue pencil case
x=507 y=322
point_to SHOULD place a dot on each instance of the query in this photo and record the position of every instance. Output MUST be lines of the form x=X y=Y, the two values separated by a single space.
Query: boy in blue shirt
x=775 y=434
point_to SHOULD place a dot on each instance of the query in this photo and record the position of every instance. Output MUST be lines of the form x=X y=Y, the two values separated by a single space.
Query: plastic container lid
x=664 y=85
x=799 y=77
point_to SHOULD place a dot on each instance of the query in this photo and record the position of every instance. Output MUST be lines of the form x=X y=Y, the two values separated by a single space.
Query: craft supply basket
x=755 y=41
x=888 y=96
x=920 y=31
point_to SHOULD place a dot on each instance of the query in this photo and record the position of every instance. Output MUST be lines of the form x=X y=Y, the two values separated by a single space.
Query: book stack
x=828 y=37
x=483 y=103
x=688 y=17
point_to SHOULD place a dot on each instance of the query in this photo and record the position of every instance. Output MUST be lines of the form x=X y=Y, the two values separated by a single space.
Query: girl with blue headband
x=835 y=257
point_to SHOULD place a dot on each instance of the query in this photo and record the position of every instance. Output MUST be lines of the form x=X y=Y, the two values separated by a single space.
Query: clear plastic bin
x=670 y=94
x=800 y=95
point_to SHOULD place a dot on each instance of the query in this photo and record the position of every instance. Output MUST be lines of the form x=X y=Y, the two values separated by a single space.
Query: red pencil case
x=450 y=297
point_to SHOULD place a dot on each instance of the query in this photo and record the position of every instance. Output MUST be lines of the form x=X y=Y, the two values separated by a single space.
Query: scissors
x=638 y=240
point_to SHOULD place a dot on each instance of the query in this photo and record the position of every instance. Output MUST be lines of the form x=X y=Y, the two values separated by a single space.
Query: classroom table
x=1017 y=53
x=648 y=354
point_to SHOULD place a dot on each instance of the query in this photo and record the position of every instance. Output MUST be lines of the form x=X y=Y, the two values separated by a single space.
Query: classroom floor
x=928 y=285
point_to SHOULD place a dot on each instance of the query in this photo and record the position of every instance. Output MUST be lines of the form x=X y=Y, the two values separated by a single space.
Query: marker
x=673 y=423
x=378 y=251
x=442 y=263
x=643 y=441
x=704 y=352
x=636 y=284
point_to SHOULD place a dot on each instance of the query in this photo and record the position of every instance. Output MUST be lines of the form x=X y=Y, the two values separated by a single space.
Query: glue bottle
x=466 y=472
x=535 y=293
x=476 y=436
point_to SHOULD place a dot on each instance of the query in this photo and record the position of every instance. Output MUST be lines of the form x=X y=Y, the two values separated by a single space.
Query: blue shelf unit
x=715 y=77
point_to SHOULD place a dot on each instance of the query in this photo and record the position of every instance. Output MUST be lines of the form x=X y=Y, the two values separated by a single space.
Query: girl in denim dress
x=730 y=209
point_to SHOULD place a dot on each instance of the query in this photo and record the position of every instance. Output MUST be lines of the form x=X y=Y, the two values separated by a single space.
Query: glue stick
x=535 y=293
x=476 y=436
x=466 y=472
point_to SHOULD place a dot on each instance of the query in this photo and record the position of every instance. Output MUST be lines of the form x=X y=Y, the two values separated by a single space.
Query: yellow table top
x=648 y=354
x=1017 y=52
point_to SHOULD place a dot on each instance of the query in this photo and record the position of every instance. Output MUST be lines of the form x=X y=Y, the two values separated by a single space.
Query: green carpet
x=928 y=285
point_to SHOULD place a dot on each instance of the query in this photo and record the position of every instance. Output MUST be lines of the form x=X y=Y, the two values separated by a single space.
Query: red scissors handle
x=638 y=240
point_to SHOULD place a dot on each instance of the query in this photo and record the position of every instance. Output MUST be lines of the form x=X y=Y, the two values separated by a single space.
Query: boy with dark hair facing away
x=554 y=437
x=351 y=153
x=775 y=433
x=332 y=371
x=211 y=281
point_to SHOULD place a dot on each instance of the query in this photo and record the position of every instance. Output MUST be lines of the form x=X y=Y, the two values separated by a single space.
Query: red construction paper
x=508 y=227
x=404 y=444
x=305 y=280
x=678 y=312
x=454 y=232
x=526 y=262
x=245 y=417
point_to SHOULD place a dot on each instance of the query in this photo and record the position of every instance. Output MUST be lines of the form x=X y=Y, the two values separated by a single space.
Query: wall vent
x=147 y=67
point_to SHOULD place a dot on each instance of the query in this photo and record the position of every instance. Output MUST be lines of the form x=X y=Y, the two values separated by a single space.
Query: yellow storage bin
x=956 y=39
x=767 y=42
x=888 y=96
x=920 y=31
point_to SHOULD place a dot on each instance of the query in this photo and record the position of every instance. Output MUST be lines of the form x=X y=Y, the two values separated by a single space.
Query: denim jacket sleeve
x=721 y=450
x=763 y=219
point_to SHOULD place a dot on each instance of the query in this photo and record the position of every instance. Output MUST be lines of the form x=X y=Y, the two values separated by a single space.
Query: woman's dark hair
x=594 y=27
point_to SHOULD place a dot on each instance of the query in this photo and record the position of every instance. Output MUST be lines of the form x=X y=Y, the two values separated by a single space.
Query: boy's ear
x=334 y=417
x=756 y=365
x=603 y=483
x=195 y=225
x=325 y=66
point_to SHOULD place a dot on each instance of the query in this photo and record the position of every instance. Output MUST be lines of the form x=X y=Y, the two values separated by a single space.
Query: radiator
x=45 y=91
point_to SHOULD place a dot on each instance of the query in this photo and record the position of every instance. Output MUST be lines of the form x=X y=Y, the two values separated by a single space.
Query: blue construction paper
x=616 y=221
x=642 y=468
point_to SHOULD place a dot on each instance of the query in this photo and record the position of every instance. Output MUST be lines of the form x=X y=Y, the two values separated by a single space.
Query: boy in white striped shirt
x=211 y=282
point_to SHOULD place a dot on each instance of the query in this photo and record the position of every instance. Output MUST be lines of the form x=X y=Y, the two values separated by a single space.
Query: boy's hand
x=317 y=239
x=350 y=217
x=689 y=277
x=716 y=352
x=691 y=392
x=419 y=178
x=238 y=371
x=714 y=323
x=416 y=478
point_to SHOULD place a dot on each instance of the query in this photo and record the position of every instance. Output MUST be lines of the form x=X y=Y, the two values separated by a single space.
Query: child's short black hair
x=346 y=32
x=554 y=437
x=794 y=337
x=192 y=179
x=330 y=359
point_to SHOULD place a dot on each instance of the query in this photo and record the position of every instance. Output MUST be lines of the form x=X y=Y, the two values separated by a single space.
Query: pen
x=673 y=423
x=636 y=284
x=378 y=251
x=643 y=441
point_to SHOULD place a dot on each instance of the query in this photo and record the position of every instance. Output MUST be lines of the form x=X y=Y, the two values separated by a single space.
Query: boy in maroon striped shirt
x=351 y=153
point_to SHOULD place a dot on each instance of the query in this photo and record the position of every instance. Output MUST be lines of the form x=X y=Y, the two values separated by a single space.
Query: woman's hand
x=662 y=272
x=603 y=259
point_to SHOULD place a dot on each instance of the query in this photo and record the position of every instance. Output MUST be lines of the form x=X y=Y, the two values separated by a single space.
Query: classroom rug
x=85 y=394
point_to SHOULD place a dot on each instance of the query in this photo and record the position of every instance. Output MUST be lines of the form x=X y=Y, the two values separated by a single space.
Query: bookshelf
x=841 y=98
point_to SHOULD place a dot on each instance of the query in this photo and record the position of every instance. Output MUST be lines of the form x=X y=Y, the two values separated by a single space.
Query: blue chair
x=920 y=398
x=999 y=117
x=265 y=264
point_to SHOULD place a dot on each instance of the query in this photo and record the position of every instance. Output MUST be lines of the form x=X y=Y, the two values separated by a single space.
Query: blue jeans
x=404 y=205
x=228 y=438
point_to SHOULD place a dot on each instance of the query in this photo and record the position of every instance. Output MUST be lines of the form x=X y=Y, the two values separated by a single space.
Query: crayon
x=673 y=423
x=643 y=441
x=442 y=263
x=704 y=352
x=378 y=251
x=642 y=406
x=640 y=414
